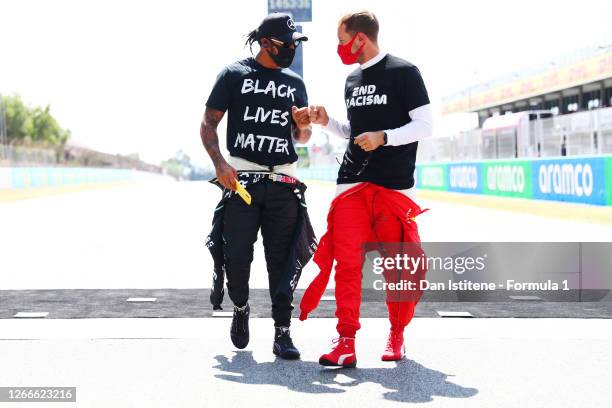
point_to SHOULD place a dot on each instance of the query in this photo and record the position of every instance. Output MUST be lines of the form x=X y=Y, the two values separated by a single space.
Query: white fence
x=26 y=156
x=582 y=133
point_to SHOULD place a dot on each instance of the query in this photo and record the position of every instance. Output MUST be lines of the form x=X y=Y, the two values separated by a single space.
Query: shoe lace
x=285 y=337
x=240 y=318
x=393 y=337
x=283 y=330
x=340 y=342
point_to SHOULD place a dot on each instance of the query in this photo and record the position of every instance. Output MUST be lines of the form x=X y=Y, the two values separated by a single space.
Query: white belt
x=241 y=164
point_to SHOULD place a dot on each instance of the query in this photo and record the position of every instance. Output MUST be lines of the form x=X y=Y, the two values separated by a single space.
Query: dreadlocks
x=251 y=38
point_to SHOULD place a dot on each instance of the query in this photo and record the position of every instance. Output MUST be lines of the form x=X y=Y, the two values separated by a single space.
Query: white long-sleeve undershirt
x=420 y=127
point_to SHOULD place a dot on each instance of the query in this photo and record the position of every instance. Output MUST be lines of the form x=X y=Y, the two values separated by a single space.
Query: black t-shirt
x=258 y=101
x=379 y=98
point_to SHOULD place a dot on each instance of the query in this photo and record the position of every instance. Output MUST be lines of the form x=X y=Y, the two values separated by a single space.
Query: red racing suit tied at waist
x=397 y=203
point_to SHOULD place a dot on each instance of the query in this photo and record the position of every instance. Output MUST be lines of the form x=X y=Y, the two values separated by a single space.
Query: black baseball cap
x=280 y=26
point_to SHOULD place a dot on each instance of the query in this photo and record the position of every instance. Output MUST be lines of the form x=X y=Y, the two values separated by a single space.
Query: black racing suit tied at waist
x=301 y=250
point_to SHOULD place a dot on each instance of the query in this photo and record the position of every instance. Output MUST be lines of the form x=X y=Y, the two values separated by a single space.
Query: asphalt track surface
x=194 y=303
x=561 y=363
x=79 y=256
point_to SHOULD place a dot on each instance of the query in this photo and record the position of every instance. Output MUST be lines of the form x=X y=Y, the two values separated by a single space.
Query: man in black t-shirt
x=268 y=110
x=388 y=112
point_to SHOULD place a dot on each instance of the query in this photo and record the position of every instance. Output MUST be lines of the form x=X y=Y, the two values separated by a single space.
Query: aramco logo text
x=506 y=178
x=463 y=177
x=566 y=179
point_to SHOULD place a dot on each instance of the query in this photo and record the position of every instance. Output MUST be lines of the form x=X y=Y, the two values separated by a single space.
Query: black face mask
x=284 y=58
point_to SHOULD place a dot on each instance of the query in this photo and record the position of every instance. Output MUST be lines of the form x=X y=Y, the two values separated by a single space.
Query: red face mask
x=344 y=51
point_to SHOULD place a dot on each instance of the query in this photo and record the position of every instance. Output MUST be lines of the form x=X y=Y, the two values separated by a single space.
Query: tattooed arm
x=226 y=174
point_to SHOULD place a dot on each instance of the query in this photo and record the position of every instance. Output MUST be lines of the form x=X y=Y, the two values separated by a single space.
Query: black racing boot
x=240 y=326
x=283 y=345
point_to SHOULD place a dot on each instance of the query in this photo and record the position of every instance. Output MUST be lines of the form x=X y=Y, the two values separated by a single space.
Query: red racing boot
x=342 y=355
x=395 y=349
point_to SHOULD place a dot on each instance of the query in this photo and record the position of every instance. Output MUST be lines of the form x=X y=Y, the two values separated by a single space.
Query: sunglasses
x=283 y=44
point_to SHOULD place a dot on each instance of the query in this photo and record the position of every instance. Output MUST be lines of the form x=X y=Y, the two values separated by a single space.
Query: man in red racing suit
x=388 y=113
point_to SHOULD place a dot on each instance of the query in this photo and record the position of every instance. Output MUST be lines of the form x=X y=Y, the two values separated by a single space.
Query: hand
x=318 y=115
x=301 y=117
x=369 y=141
x=226 y=175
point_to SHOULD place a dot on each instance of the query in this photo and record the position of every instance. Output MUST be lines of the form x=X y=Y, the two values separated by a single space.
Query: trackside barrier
x=584 y=179
x=318 y=173
x=32 y=177
x=576 y=179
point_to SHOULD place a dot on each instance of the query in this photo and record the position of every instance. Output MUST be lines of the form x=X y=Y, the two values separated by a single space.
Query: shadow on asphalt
x=407 y=380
